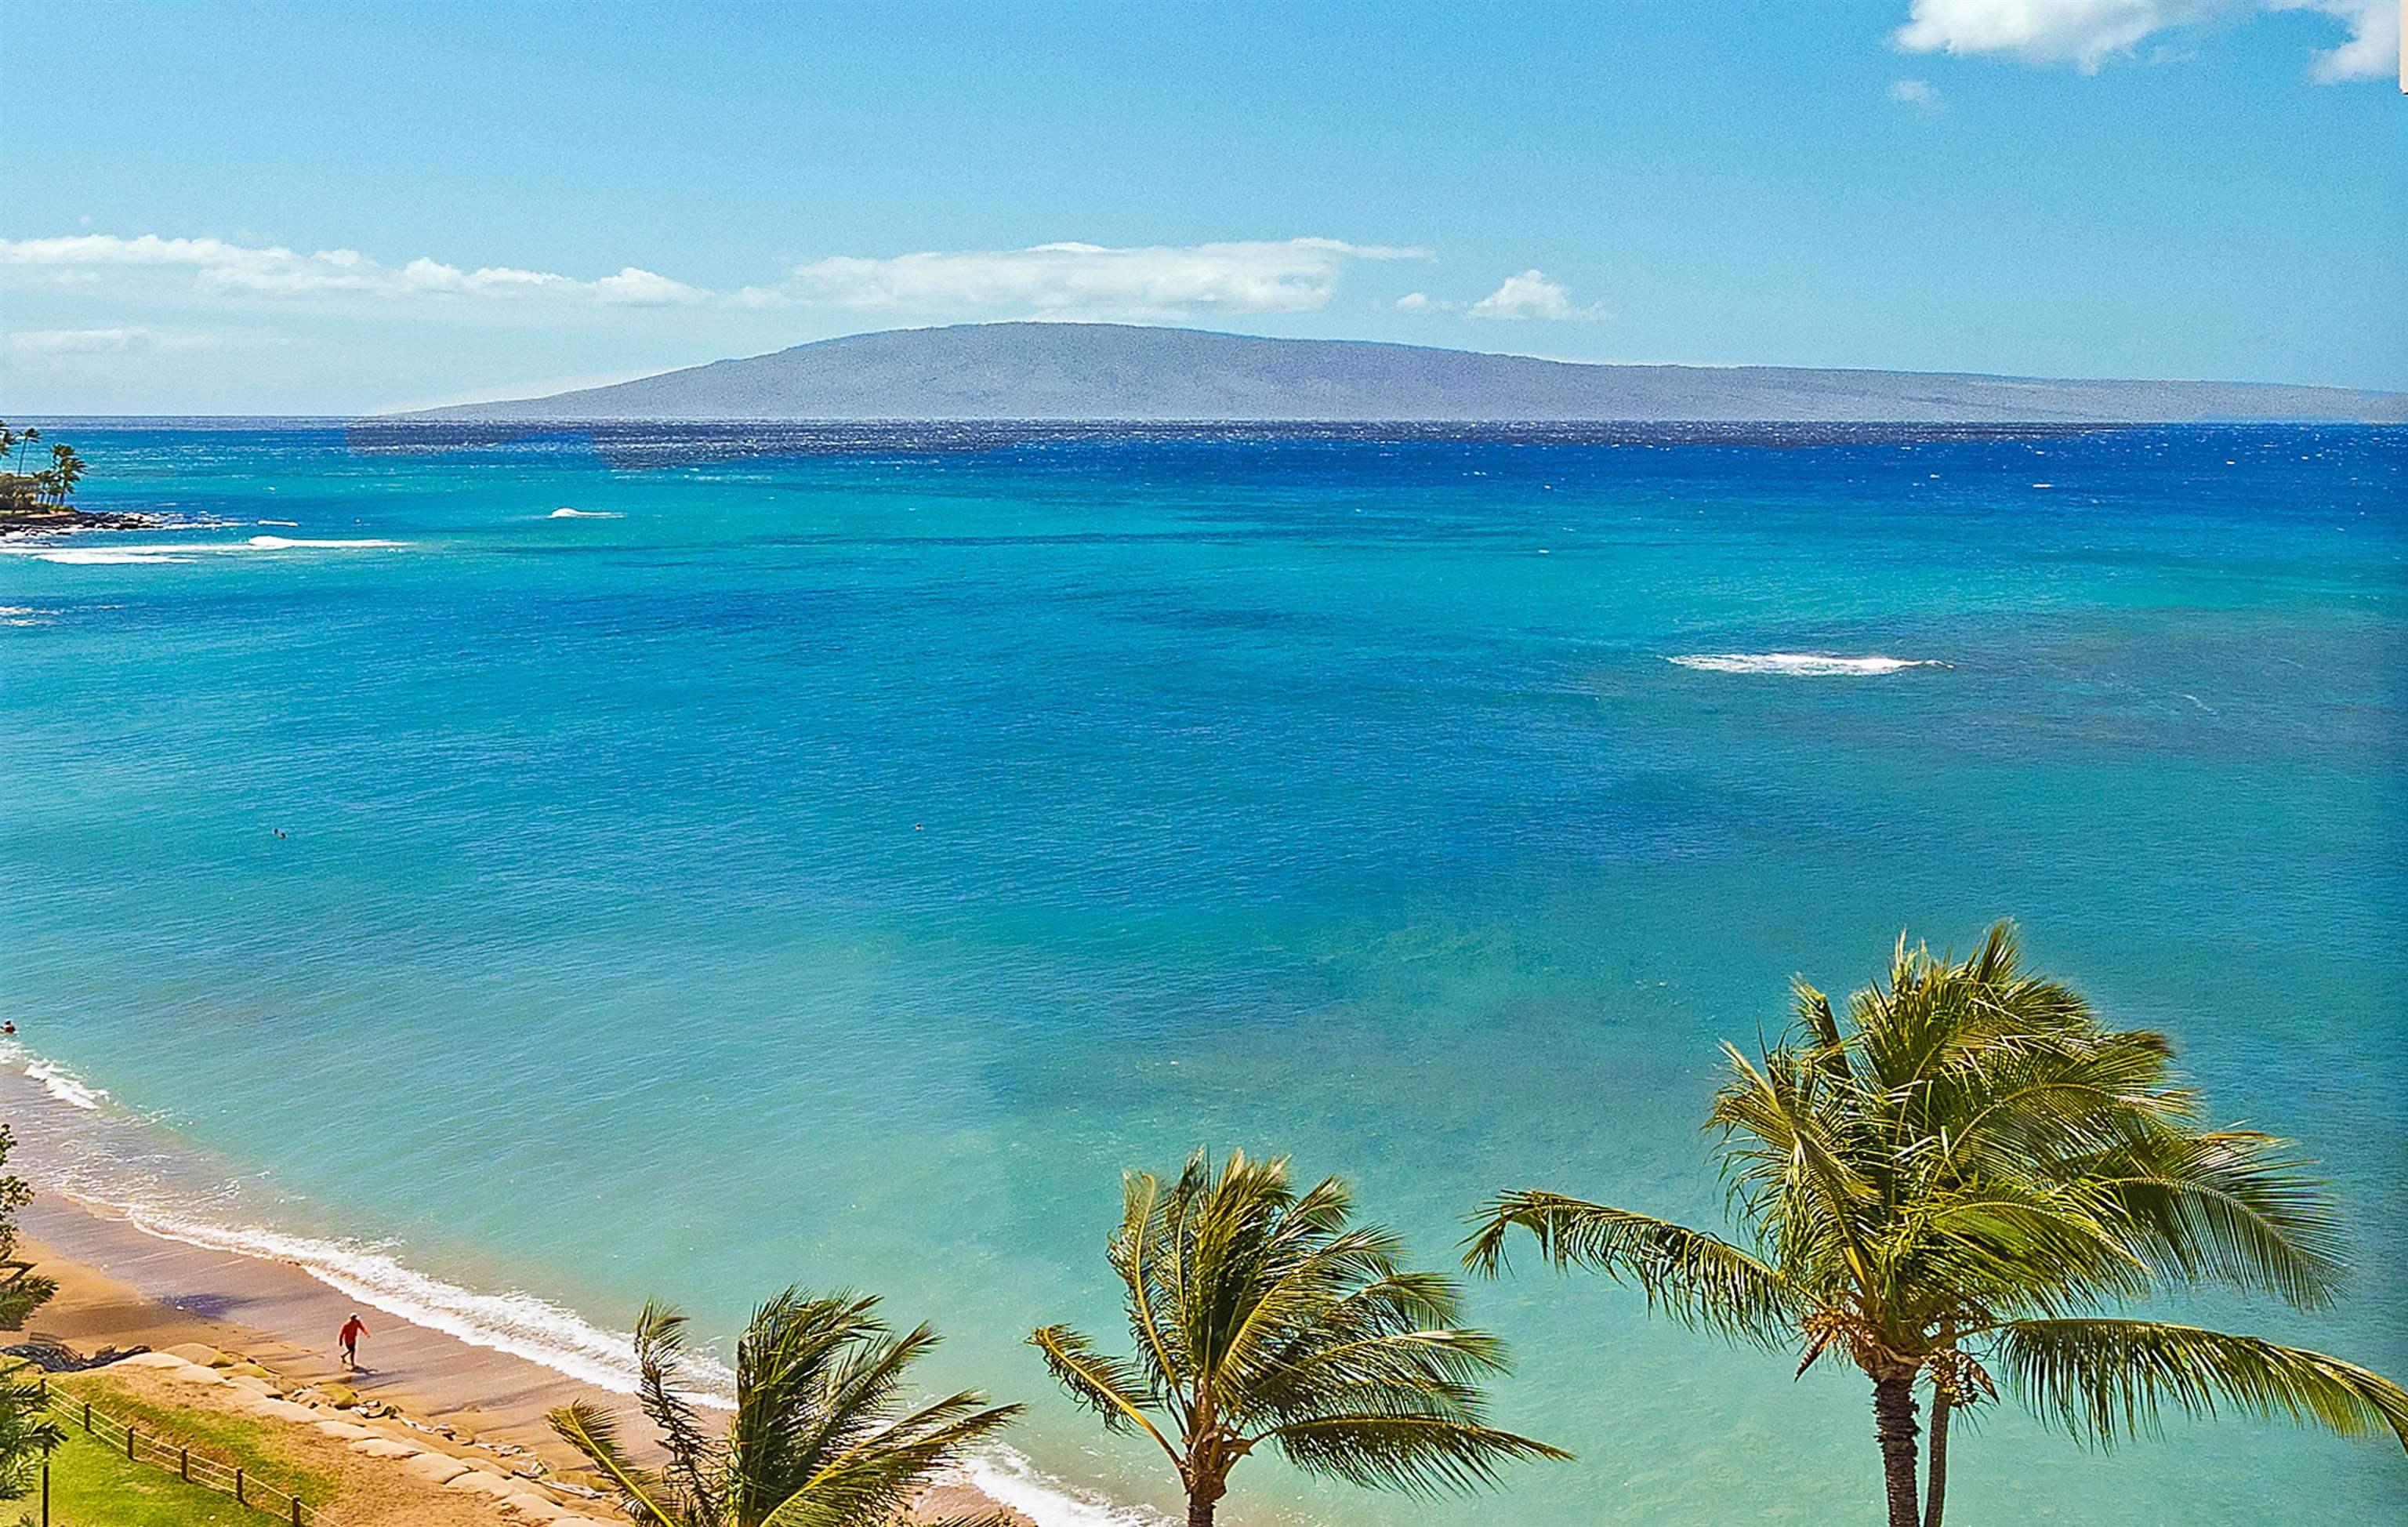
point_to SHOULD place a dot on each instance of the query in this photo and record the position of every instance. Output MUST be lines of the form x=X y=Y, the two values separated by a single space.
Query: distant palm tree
x=67 y=471
x=821 y=1436
x=1262 y=1317
x=1974 y=1164
x=26 y=436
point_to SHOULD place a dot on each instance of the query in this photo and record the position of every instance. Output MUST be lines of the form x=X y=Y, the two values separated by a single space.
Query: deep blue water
x=841 y=864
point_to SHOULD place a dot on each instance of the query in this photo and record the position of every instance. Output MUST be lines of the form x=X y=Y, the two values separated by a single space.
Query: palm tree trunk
x=1200 y=1511
x=1937 y=1491
x=1894 y=1423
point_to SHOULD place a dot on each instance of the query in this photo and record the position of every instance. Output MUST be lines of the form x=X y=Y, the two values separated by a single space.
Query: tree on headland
x=67 y=471
x=1263 y=1317
x=16 y=490
x=1969 y=1173
x=822 y=1436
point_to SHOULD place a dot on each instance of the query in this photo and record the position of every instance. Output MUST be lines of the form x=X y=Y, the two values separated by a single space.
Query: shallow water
x=841 y=864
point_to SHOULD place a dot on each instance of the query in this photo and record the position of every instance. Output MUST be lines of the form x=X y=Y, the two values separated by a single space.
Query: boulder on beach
x=435 y=1468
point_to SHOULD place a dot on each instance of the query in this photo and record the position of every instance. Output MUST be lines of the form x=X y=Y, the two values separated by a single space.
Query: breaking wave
x=1801 y=663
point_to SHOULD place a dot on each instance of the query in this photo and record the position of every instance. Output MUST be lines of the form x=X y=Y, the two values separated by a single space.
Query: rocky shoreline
x=15 y=523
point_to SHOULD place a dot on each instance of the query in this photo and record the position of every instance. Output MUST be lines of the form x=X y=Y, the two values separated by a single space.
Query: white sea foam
x=584 y=514
x=93 y=556
x=1008 y=1478
x=519 y=1323
x=1801 y=663
x=279 y=543
x=59 y=1082
x=175 y=552
x=287 y=524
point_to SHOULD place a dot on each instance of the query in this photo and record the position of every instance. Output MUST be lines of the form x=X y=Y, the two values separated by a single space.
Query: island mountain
x=1115 y=371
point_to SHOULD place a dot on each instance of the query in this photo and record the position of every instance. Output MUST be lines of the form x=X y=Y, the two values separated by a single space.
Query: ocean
x=520 y=876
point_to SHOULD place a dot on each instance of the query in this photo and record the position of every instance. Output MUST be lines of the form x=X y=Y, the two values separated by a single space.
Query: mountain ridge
x=1054 y=371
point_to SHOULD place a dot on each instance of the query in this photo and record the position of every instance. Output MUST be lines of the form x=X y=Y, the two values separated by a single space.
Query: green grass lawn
x=262 y=1448
x=93 y=1484
x=94 y=1487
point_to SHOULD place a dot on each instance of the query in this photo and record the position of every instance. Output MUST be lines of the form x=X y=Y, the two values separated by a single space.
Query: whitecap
x=280 y=543
x=93 y=556
x=566 y=513
x=175 y=552
x=1801 y=663
x=1008 y=1478
x=56 y=1080
x=287 y=524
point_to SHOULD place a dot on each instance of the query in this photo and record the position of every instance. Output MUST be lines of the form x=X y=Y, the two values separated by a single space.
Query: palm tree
x=1262 y=1317
x=1974 y=1164
x=26 y=436
x=66 y=469
x=821 y=1436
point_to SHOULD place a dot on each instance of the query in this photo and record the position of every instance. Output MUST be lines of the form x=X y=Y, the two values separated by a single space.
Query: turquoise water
x=840 y=865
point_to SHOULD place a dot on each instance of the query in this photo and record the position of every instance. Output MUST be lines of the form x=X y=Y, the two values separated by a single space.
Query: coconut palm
x=1972 y=1166
x=821 y=1436
x=1263 y=1318
x=66 y=469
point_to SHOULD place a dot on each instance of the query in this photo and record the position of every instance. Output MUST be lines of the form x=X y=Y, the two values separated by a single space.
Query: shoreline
x=121 y=1285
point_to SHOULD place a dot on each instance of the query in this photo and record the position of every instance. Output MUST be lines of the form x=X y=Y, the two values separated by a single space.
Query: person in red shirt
x=352 y=1331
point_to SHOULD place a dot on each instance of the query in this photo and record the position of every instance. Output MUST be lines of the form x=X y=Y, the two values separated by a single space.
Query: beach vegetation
x=1960 y=1182
x=822 y=1435
x=22 y=1289
x=46 y=491
x=1264 y=1316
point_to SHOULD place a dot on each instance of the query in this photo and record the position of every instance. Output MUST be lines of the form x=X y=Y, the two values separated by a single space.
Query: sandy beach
x=122 y=1285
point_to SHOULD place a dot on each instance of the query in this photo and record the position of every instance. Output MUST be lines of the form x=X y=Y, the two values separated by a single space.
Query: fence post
x=87 y=1415
x=129 y=1442
x=184 y=1465
x=297 y=1511
x=237 y=1489
x=46 y=1493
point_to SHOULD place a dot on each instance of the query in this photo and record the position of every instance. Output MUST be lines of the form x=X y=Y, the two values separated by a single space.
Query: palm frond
x=693 y=1461
x=2231 y=1204
x=1418 y=1454
x=1697 y=1278
x=2104 y=1380
x=594 y=1432
x=1110 y=1386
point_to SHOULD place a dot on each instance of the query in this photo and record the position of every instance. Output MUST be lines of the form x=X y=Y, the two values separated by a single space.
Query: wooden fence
x=126 y=1437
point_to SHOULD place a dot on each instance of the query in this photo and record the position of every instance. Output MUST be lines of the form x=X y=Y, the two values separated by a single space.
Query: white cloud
x=2087 y=33
x=1920 y=93
x=219 y=266
x=1532 y=295
x=1293 y=275
x=1415 y=302
x=43 y=343
x=1062 y=281
x=2373 y=50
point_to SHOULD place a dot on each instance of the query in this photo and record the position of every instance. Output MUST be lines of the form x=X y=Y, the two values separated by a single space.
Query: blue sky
x=328 y=208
